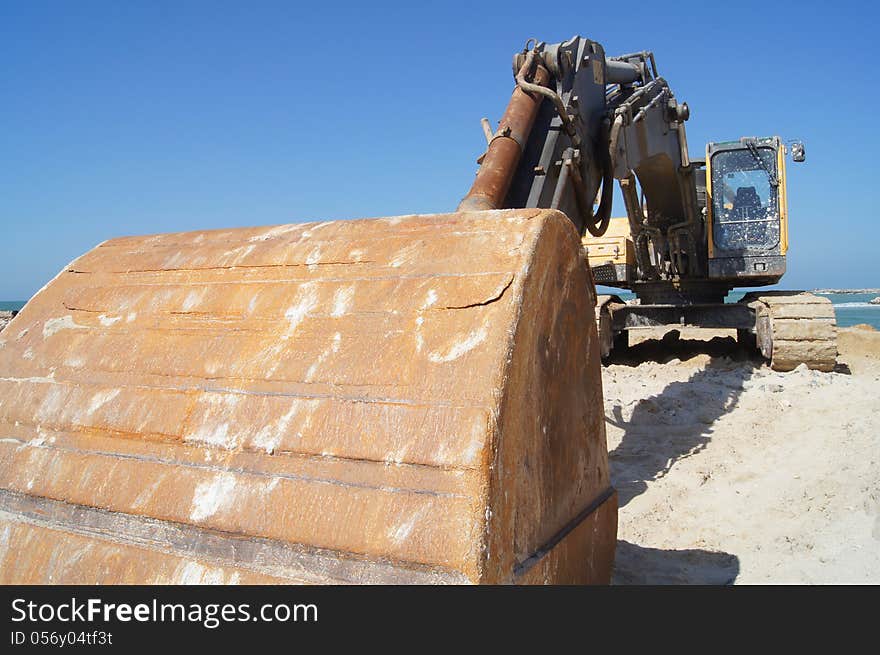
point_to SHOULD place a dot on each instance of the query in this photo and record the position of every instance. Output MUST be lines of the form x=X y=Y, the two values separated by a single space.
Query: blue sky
x=134 y=118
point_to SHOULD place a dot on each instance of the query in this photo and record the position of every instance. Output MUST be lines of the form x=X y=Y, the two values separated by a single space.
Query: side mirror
x=797 y=151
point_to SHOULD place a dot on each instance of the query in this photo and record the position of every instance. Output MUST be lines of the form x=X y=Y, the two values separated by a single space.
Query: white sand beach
x=729 y=472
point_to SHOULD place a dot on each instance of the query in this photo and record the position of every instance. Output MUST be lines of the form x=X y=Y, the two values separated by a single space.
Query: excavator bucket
x=394 y=400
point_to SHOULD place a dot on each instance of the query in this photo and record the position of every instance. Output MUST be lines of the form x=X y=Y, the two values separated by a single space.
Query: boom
x=577 y=121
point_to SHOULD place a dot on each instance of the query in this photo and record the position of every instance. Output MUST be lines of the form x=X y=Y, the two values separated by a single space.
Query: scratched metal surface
x=314 y=402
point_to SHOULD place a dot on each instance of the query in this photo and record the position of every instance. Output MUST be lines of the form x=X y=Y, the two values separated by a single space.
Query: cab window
x=745 y=199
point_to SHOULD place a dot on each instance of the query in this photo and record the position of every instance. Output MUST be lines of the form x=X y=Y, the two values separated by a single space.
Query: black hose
x=597 y=224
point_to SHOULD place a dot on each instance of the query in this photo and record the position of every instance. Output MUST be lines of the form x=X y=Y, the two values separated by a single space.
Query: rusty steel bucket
x=394 y=400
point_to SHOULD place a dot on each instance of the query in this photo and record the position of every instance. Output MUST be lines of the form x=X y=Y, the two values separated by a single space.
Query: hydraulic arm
x=603 y=119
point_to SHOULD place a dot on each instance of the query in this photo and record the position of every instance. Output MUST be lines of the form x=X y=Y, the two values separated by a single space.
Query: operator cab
x=746 y=212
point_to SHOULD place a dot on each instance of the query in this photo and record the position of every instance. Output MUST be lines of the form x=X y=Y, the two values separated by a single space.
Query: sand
x=729 y=472
x=5 y=317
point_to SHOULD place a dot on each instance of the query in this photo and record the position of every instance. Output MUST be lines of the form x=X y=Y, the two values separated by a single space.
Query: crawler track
x=793 y=328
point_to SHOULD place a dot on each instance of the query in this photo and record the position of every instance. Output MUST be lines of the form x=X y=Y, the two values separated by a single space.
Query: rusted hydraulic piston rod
x=502 y=157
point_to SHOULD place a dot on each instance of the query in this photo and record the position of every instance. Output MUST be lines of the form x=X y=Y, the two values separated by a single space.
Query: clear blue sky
x=132 y=118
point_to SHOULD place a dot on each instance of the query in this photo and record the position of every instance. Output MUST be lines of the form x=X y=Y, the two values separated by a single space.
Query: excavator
x=414 y=399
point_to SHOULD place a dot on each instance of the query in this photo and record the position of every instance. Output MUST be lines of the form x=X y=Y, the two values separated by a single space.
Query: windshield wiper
x=754 y=150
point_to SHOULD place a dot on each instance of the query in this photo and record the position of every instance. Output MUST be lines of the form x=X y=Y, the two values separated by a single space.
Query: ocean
x=854 y=308
x=851 y=308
